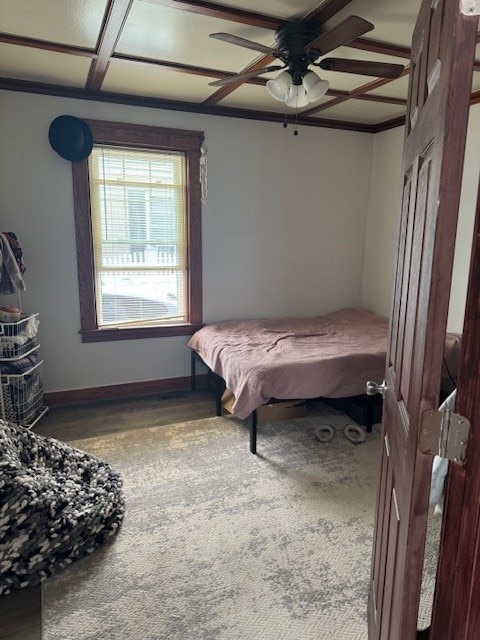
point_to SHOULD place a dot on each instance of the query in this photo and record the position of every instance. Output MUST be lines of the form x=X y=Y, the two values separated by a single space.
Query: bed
x=329 y=356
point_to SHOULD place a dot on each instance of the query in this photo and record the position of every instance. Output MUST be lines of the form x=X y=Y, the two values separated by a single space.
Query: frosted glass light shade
x=297 y=96
x=278 y=87
x=315 y=87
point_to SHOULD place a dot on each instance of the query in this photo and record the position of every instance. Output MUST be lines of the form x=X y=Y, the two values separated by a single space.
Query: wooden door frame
x=456 y=614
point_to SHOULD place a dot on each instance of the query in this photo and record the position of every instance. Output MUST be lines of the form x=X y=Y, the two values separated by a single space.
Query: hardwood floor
x=21 y=611
x=21 y=615
x=109 y=416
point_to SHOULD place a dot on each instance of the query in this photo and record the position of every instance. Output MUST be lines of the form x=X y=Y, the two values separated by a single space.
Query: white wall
x=283 y=229
x=382 y=220
x=466 y=219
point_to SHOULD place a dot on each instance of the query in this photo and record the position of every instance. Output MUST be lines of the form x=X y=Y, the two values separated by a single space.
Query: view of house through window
x=139 y=220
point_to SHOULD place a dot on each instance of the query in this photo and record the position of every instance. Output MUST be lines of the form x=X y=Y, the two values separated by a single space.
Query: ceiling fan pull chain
x=203 y=172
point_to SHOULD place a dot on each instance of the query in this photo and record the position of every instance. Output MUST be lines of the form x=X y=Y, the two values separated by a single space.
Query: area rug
x=219 y=544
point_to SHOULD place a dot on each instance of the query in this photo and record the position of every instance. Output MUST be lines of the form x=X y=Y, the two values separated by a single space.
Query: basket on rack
x=21 y=399
x=18 y=339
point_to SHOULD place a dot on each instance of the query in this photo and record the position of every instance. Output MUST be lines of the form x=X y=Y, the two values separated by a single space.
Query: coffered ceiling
x=159 y=53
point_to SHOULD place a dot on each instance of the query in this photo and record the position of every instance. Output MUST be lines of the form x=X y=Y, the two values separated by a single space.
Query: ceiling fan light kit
x=284 y=89
x=280 y=86
x=297 y=97
x=315 y=87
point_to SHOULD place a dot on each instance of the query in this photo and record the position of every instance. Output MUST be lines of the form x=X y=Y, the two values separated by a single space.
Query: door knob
x=374 y=388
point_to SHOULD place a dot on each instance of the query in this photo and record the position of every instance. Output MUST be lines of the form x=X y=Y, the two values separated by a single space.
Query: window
x=138 y=227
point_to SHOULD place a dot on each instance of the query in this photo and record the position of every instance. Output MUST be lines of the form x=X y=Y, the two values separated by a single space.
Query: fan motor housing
x=292 y=40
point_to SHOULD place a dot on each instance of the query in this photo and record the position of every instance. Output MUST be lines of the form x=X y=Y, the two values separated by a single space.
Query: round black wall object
x=71 y=138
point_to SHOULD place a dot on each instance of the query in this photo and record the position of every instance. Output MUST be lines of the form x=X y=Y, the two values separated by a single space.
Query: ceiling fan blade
x=248 y=44
x=244 y=76
x=351 y=28
x=362 y=67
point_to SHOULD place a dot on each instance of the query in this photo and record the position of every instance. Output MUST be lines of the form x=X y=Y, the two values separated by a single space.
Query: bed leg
x=218 y=385
x=253 y=432
x=192 y=372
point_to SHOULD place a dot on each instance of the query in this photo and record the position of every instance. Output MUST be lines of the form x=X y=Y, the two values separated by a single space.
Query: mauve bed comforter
x=288 y=358
x=329 y=356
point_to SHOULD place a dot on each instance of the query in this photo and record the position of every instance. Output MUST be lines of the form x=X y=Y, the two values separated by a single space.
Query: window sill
x=138 y=333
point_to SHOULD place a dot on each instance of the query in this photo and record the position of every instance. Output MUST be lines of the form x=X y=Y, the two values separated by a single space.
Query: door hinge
x=444 y=434
x=470 y=7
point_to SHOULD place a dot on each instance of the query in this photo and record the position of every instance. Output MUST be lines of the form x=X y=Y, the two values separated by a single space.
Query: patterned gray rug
x=218 y=544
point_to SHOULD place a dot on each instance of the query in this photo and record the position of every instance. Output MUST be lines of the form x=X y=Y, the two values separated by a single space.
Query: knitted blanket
x=57 y=504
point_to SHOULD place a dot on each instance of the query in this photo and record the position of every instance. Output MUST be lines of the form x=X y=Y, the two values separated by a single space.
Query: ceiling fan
x=299 y=45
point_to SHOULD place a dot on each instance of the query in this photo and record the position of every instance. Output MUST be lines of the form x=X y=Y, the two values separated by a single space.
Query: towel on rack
x=16 y=248
x=11 y=279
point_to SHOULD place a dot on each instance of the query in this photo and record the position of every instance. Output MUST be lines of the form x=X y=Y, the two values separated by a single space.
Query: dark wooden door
x=440 y=81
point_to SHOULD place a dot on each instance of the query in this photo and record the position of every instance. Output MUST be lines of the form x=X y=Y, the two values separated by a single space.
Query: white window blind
x=139 y=236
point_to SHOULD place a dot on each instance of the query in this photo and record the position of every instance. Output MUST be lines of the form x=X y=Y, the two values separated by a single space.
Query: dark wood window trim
x=142 y=137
